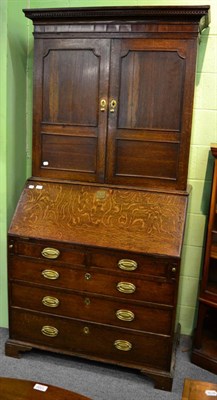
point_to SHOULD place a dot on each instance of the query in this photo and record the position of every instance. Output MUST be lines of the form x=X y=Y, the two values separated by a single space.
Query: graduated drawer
x=89 y=307
x=92 y=280
x=96 y=341
x=59 y=253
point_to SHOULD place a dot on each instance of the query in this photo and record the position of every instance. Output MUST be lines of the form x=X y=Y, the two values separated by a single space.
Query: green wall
x=13 y=50
x=3 y=160
x=16 y=131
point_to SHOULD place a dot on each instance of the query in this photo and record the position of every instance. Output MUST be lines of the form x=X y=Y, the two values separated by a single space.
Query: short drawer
x=89 y=307
x=96 y=341
x=133 y=263
x=53 y=252
x=93 y=281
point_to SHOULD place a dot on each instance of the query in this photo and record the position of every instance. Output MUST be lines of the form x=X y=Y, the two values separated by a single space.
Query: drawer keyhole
x=87 y=276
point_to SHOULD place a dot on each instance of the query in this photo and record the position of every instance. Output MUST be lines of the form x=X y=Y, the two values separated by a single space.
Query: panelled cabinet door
x=148 y=130
x=113 y=110
x=70 y=113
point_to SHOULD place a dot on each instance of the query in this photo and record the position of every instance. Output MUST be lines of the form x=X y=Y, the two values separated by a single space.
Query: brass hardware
x=50 y=274
x=50 y=253
x=86 y=330
x=173 y=269
x=123 y=345
x=113 y=105
x=126 y=287
x=50 y=331
x=50 y=301
x=87 y=301
x=11 y=246
x=100 y=194
x=125 y=315
x=87 y=276
x=127 y=265
x=103 y=105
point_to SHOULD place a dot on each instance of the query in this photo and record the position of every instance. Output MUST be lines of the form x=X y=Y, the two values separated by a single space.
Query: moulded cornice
x=198 y=14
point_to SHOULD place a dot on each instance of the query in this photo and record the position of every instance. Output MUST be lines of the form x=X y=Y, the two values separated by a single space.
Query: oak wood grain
x=139 y=221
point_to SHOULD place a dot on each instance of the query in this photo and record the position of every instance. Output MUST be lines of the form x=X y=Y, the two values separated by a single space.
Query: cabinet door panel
x=147 y=128
x=65 y=152
x=70 y=87
x=139 y=154
x=150 y=89
x=70 y=128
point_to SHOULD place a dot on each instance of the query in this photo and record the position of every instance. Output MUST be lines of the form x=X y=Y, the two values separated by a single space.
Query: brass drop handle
x=50 y=331
x=50 y=301
x=103 y=105
x=123 y=345
x=50 y=274
x=127 y=265
x=50 y=253
x=126 y=287
x=113 y=105
x=125 y=315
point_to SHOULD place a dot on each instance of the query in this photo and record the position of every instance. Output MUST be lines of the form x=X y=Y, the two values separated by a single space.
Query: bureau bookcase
x=95 y=242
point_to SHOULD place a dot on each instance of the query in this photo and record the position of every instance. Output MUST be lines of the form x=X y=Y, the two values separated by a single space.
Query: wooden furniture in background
x=18 y=389
x=198 y=390
x=95 y=242
x=204 y=351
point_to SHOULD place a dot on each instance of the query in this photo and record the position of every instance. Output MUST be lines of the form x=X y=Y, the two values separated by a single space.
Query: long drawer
x=90 y=307
x=96 y=341
x=95 y=280
x=60 y=254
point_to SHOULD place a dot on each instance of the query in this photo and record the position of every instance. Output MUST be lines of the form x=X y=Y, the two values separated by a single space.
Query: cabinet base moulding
x=162 y=380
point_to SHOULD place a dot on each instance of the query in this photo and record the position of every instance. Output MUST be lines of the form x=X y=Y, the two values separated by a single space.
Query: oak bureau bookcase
x=95 y=242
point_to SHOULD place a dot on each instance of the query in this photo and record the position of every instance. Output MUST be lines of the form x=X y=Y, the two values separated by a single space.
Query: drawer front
x=94 y=340
x=135 y=264
x=94 y=308
x=90 y=280
x=57 y=253
x=53 y=252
